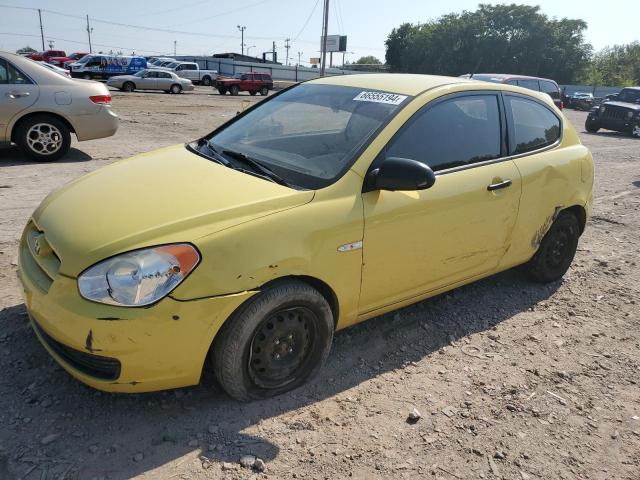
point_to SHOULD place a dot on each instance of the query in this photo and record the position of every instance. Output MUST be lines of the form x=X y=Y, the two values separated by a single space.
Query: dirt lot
x=513 y=380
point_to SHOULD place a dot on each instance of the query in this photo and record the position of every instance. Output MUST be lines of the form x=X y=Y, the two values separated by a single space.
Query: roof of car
x=401 y=83
x=506 y=76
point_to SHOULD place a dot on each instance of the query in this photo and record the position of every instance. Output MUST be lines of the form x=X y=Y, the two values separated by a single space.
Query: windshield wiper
x=216 y=157
x=256 y=166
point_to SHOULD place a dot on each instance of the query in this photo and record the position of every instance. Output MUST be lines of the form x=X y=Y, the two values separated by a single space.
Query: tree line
x=517 y=39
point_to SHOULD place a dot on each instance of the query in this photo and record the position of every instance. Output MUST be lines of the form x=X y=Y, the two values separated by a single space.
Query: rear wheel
x=264 y=91
x=276 y=342
x=43 y=138
x=128 y=87
x=86 y=76
x=175 y=88
x=234 y=90
x=222 y=91
x=206 y=81
x=556 y=251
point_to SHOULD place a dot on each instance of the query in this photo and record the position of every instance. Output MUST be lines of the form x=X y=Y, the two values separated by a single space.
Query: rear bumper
x=102 y=124
x=119 y=349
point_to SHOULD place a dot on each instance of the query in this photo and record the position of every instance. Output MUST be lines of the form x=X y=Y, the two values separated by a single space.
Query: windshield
x=84 y=59
x=171 y=65
x=309 y=134
x=629 y=95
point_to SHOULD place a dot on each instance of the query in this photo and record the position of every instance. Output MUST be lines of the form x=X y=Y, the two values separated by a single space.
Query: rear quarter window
x=534 y=125
x=551 y=88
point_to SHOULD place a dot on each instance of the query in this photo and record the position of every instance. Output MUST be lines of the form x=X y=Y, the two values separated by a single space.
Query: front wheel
x=222 y=91
x=636 y=131
x=206 y=81
x=87 y=76
x=591 y=126
x=128 y=87
x=274 y=343
x=234 y=90
x=43 y=138
x=175 y=88
x=556 y=250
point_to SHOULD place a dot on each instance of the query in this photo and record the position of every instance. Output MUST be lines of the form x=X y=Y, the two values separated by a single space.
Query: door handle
x=17 y=94
x=499 y=185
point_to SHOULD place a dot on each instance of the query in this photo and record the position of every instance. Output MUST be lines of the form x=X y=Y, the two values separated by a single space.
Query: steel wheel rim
x=44 y=138
x=281 y=347
x=636 y=131
x=558 y=249
x=175 y=89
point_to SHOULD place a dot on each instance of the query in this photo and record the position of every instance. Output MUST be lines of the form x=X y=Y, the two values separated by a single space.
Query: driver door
x=419 y=241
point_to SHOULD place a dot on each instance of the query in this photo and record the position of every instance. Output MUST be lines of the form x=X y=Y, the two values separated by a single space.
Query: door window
x=164 y=75
x=151 y=75
x=550 y=88
x=530 y=84
x=11 y=75
x=535 y=126
x=452 y=133
x=190 y=66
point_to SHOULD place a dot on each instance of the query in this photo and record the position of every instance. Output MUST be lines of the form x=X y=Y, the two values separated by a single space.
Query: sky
x=204 y=27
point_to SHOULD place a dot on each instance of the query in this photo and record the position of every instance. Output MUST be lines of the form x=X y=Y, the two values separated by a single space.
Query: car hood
x=631 y=106
x=168 y=195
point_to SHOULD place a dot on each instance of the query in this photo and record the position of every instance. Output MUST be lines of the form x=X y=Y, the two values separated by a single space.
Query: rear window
x=535 y=126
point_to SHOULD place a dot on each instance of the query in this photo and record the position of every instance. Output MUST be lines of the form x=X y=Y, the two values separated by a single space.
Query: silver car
x=39 y=109
x=151 y=80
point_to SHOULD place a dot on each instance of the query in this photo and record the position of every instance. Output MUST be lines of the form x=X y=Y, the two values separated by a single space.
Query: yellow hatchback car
x=329 y=203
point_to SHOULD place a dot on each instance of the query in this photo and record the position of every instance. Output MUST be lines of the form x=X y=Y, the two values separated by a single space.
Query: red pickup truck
x=246 y=82
x=60 y=61
x=47 y=55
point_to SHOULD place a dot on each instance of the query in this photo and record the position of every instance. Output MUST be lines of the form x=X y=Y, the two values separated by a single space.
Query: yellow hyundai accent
x=329 y=203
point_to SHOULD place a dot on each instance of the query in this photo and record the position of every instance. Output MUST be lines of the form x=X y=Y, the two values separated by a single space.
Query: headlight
x=138 y=278
x=602 y=109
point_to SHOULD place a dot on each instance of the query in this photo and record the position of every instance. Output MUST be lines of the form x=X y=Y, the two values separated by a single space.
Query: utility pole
x=175 y=43
x=287 y=46
x=89 y=30
x=41 y=31
x=242 y=29
x=325 y=27
x=273 y=53
x=299 y=55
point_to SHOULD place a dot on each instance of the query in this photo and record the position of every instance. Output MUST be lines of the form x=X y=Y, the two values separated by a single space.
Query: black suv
x=621 y=114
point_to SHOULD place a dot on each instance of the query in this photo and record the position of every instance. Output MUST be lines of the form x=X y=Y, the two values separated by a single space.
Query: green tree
x=512 y=38
x=614 y=66
x=26 y=49
x=368 y=60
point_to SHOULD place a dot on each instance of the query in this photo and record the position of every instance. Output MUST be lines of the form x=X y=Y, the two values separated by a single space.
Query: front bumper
x=119 y=349
x=102 y=124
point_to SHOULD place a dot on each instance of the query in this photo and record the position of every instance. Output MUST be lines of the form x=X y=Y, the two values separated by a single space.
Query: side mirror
x=402 y=174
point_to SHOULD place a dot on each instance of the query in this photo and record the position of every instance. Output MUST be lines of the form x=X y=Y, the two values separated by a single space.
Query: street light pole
x=41 y=30
x=242 y=29
x=299 y=55
x=89 y=30
x=325 y=27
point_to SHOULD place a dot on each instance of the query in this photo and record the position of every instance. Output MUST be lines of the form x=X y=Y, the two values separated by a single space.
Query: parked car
x=154 y=62
x=39 y=109
x=192 y=71
x=334 y=201
x=72 y=58
x=621 y=114
x=545 y=85
x=104 y=66
x=581 y=100
x=247 y=82
x=53 y=68
x=47 y=55
x=151 y=80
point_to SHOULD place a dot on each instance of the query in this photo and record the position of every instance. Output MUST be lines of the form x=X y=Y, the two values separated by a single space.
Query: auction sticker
x=380 y=97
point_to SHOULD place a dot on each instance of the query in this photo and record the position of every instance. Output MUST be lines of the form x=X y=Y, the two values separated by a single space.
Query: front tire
x=636 y=131
x=43 y=138
x=222 y=91
x=274 y=343
x=206 y=81
x=556 y=250
x=175 y=89
x=87 y=76
x=128 y=87
x=234 y=90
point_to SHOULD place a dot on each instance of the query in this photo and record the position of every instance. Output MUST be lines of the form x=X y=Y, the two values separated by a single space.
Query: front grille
x=103 y=368
x=615 y=113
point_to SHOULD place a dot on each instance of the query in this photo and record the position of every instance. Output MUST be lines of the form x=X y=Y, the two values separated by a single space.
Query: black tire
x=206 y=81
x=591 y=126
x=222 y=91
x=128 y=87
x=635 y=132
x=87 y=76
x=264 y=91
x=175 y=89
x=31 y=134
x=252 y=93
x=556 y=250
x=274 y=343
x=234 y=90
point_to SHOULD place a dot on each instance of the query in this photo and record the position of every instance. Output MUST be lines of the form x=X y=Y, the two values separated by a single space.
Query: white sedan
x=151 y=80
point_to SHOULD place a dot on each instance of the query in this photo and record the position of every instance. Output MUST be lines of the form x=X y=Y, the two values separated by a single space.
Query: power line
x=219 y=14
x=306 y=21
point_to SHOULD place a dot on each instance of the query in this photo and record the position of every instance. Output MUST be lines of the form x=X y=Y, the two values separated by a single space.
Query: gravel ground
x=510 y=379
